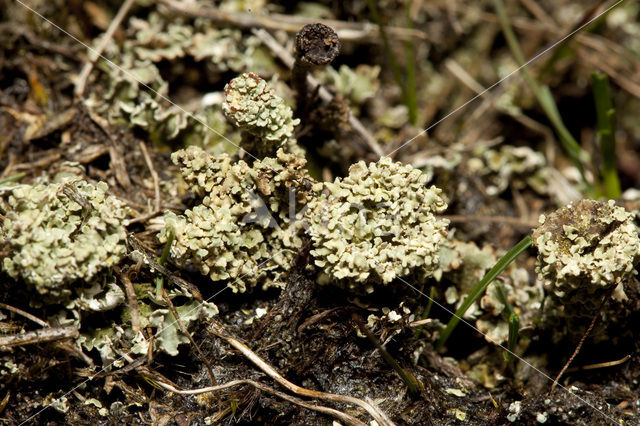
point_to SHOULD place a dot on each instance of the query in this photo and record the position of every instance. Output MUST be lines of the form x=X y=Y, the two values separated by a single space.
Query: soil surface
x=276 y=353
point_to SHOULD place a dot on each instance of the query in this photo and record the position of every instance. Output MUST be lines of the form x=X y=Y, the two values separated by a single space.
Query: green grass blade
x=514 y=323
x=12 y=178
x=411 y=99
x=606 y=131
x=514 y=329
x=480 y=288
x=373 y=9
x=544 y=97
x=426 y=312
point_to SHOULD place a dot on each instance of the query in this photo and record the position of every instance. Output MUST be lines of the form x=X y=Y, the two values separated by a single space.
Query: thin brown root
x=601 y=364
x=582 y=340
x=95 y=53
x=371 y=408
x=25 y=314
x=154 y=175
x=319 y=408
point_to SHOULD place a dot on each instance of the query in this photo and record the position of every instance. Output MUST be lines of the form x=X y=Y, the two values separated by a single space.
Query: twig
x=118 y=163
x=315 y=318
x=60 y=345
x=24 y=314
x=582 y=340
x=600 y=365
x=133 y=303
x=144 y=217
x=41 y=163
x=354 y=31
x=94 y=54
x=314 y=84
x=332 y=412
x=154 y=175
x=139 y=253
x=373 y=410
x=49 y=334
x=74 y=352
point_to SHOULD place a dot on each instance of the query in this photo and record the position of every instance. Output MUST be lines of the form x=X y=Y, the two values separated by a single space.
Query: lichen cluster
x=61 y=232
x=252 y=105
x=376 y=224
x=586 y=250
x=242 y=231
x=151 y=44
x=515 y=288
x=510 y=165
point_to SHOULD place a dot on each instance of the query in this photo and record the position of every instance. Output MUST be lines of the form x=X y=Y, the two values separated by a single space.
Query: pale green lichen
x=524 y=296
x=242 y=232
x=62 y=232
x=357 y=84
x=376 y=224
x=127 y=101
x=253 y=106
x=509 y=165
x=586 y=247
x=137 y=96
x=460 y=266
x=585 y=251
x=463 y=263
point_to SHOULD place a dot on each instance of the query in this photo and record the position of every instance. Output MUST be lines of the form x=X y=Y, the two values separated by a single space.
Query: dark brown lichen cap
x=317 y=44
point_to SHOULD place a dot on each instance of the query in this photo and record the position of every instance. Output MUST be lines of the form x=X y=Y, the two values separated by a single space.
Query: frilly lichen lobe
x=62 y=232
x=586 y=247
x=242 y=231
x=376 y=224
x=250 y=104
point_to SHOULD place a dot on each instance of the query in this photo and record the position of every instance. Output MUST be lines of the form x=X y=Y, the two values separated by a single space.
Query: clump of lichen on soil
x=495 y=162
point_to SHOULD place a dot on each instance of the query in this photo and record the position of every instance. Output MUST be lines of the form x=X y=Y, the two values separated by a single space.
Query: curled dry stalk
x=378 y=415
x=319 y=408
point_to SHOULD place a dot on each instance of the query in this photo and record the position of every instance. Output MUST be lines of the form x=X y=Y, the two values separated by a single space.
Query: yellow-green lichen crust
x=376 y=224
x=585 y=249
x=62 y=232
x=252 y=105
x=241 y=232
